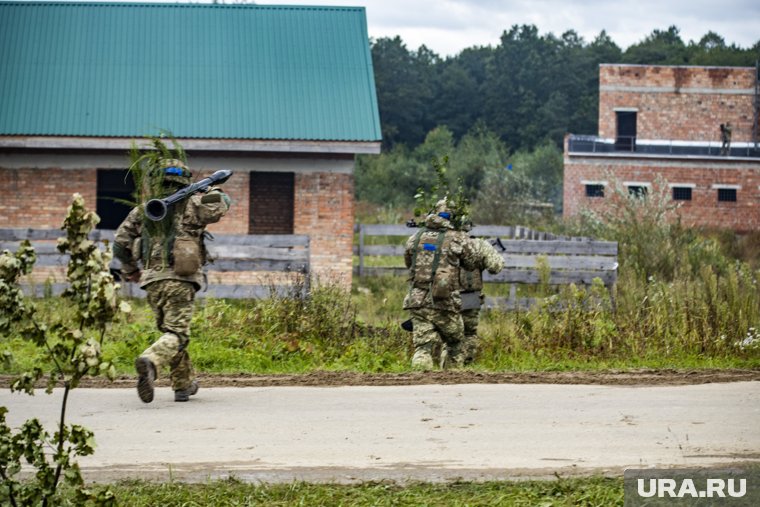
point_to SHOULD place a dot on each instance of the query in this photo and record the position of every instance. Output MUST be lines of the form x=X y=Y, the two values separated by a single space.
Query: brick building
x=284 y=96
x=666 y=121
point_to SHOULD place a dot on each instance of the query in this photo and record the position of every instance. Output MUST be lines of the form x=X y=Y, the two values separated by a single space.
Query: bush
x=70 y=346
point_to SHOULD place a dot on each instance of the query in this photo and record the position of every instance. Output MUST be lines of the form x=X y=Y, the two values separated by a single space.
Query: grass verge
x=595 y=491
x=338 y=330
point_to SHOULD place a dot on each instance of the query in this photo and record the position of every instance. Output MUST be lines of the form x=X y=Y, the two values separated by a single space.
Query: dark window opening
x=626 y=131
x=638 y=191
x=682 y=193
x=271 y=206
x=726 y=195
x=114 y=186
x=594 y=190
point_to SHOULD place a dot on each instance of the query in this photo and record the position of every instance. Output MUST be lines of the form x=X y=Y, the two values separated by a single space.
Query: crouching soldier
x=172 y=253
x=434 y=256
x=471 y=284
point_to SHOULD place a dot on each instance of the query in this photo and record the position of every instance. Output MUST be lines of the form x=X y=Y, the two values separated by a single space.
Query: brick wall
x=37 y=199
x=236 y=220
x=703 y=210
x=678 y=103
x=324 y=209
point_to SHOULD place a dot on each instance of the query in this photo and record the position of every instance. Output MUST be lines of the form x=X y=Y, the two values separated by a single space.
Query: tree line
x=528 y=89
x=488 y=105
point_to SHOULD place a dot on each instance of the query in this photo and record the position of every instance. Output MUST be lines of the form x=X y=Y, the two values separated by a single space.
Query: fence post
x=361 y=249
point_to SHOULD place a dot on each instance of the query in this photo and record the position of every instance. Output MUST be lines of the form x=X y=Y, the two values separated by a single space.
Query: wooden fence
x=244 y=266
x=569 y=259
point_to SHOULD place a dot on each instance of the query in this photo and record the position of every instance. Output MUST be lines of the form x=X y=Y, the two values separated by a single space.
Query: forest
x=500 y=113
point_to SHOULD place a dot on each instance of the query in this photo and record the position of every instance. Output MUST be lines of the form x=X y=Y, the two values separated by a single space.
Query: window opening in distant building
x=681 y=193
x=594 y=190
x=638 y=190
x=113 y=187
x=625 y=140
x=726 y=195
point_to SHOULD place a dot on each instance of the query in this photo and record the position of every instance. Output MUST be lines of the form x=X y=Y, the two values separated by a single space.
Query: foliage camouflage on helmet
x=175 y=171
x=148 y=170
x=456 y=202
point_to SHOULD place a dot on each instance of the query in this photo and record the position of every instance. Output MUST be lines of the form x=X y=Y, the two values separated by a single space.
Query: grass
x=359 y=331
x=596 y=491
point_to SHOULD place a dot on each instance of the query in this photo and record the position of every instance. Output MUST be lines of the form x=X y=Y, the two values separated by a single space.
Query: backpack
x=166 y=243
x=431 y=269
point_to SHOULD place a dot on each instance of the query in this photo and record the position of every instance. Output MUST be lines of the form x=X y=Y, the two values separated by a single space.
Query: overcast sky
x=448 y=26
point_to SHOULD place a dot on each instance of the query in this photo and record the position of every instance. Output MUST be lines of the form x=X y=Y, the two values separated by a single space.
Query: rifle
x=156 y=209
x=497 y=242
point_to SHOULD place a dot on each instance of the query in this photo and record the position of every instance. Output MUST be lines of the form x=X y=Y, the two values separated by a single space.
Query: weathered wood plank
x=51 y=260
x=518 y=246
x=509 y=304
x=249 y=291
x=226 y=265
x=214 y=291
x=532 y=277
x=40 y=247
x=256 y=252
x=20 y=234
x=521 y=276
x=261 y=240
x=560 y=247
x=384 y=250
x=502 y=231
x=384 y=271
x=386 y=230
x=581 y=262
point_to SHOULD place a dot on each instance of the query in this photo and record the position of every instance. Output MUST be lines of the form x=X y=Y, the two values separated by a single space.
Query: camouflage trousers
x=172 y=304
x=432 y=328
x=469 y=344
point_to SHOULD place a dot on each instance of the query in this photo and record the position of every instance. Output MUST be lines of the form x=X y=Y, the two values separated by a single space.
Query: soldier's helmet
x=175 y=172
x=443 y=209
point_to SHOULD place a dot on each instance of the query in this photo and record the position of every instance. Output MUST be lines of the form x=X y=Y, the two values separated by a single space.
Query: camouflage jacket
x=134 y=247
x=487 y=258
x=434 y=256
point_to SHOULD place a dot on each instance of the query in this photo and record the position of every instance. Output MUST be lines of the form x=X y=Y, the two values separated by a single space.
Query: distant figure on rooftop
x=725 y=137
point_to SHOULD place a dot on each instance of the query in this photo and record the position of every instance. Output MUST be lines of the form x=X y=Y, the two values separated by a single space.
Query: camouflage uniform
x=172 y=253
x=434 y=255
x=471 y=283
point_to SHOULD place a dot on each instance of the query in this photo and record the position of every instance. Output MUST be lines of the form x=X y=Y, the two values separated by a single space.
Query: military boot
x=423 y=357
x=452 y=356
x=184 y=394
x=146 y=375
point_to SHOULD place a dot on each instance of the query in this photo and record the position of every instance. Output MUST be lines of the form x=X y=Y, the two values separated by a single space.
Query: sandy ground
x=348 y=428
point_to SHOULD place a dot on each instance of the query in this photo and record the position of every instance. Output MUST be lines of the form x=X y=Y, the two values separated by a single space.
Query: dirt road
x=426 y=432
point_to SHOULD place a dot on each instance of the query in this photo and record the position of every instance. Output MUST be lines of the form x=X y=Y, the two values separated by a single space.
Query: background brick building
x=664 y=121
x=283 y=96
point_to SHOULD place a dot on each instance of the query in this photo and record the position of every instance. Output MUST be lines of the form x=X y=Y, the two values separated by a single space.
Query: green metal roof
x=196 y=70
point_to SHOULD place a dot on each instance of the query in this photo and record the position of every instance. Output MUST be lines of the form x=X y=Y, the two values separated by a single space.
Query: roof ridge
x=188 y=5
